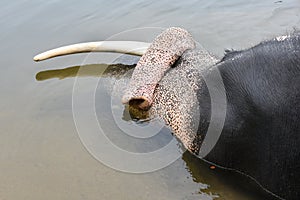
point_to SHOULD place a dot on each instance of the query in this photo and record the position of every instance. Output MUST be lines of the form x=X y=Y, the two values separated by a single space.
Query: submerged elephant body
x=260 y=135
x=261 y=131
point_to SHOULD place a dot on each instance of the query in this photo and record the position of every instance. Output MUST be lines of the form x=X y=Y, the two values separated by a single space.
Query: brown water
x=42 y=156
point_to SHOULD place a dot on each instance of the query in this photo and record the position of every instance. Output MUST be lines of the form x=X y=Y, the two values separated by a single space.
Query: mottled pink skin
x=161 y=55
x=171 y=93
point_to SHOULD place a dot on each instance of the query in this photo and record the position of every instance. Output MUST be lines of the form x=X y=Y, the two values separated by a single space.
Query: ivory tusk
x=126 y=47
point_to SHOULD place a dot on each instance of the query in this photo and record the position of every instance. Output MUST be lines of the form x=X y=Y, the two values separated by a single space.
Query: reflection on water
x=104 y=70
x=203 y=172
x=41 y=154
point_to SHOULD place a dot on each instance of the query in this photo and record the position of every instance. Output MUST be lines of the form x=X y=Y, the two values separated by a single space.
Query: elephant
x=177 y=82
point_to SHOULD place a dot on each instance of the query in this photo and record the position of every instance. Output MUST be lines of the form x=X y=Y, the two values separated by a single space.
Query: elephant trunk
x=159 y=57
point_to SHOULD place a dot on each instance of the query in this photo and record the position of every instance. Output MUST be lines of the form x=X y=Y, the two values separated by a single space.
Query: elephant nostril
x=139 y=103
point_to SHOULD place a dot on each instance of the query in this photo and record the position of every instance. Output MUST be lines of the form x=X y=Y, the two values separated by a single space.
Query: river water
x=41 y=154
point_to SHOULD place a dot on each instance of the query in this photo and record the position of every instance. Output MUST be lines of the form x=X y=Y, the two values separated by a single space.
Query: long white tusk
x=127 y=47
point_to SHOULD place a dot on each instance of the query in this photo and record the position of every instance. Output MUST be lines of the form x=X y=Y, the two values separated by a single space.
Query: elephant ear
x=159 y=57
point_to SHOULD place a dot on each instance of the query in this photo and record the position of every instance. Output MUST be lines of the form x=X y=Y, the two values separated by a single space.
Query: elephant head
x=165 y=80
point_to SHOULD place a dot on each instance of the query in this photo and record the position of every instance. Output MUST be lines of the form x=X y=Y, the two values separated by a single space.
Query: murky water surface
x=42 y=156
